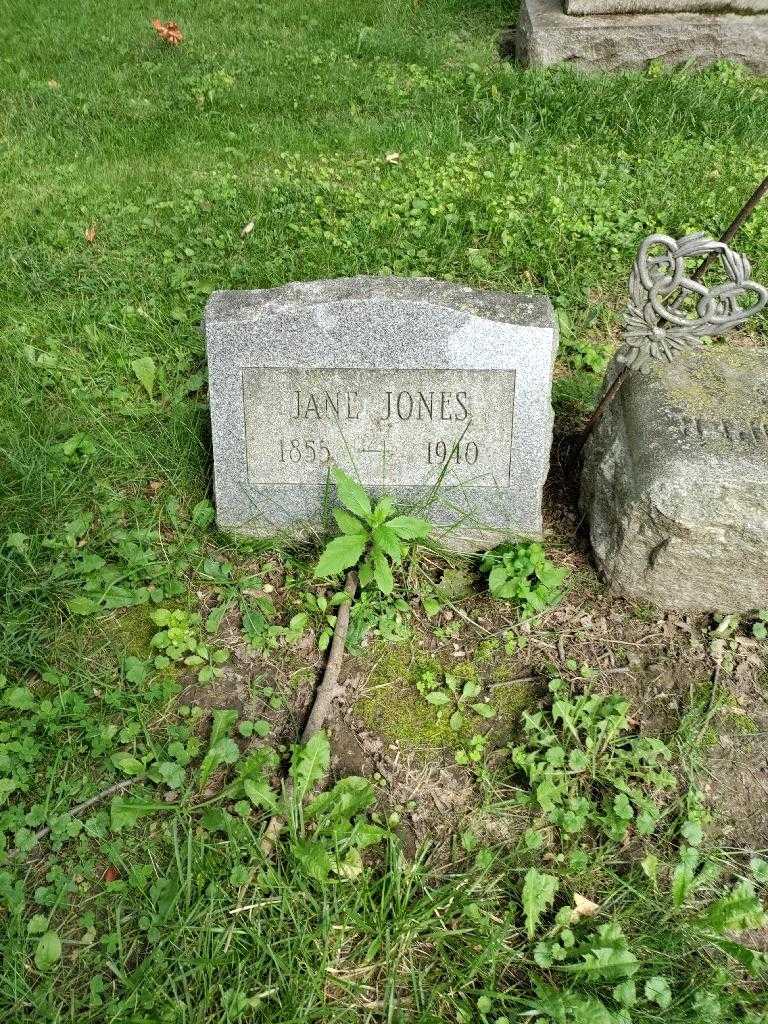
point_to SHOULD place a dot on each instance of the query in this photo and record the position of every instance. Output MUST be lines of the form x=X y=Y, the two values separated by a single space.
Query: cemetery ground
x=606 y=864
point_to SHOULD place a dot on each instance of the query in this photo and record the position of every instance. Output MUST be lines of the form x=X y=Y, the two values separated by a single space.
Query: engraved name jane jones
x=386 y=427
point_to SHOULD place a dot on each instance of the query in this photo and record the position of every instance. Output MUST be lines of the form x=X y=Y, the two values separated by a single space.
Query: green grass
x=197 y=925
x=401 y=943
x=282 y=115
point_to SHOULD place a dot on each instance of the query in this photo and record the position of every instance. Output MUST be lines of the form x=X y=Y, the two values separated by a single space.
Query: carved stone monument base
x=546 y=35
x=675 y=483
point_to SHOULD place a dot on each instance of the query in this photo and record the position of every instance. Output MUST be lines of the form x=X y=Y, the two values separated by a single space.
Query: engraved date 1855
x=304 y=450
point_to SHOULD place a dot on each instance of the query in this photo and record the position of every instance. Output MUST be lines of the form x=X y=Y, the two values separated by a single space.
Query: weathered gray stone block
x=546 y=35
x=666 y=6
x=429 y=391
x=675 y=483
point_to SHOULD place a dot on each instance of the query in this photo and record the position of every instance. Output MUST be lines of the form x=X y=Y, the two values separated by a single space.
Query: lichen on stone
x=718 y=384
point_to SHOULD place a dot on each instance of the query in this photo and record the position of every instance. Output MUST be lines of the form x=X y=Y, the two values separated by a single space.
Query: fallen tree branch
x=117 y=787
x=321 y=705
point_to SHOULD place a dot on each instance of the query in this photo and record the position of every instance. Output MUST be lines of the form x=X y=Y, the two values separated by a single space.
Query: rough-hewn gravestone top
x=675 y=483
x=582 y=7
x=416 y=387
x=620 y=35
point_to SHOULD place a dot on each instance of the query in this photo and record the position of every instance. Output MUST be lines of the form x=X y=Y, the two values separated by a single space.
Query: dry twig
x=321 y=705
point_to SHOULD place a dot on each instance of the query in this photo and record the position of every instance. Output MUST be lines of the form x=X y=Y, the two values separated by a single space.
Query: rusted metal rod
x=735 y=225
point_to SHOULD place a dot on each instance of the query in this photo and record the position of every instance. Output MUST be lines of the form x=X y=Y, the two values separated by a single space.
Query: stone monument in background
x=617 y=35
x=675 y=478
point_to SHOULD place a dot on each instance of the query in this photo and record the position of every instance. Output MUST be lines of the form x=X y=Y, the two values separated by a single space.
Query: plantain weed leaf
x=127 y=763
x=48 y=951
x=439 y=698
x=144 y=369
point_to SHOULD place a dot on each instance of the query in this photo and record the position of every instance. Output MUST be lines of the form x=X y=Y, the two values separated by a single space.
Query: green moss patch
x=393 y=708
x=511 y=699
x=131 y=631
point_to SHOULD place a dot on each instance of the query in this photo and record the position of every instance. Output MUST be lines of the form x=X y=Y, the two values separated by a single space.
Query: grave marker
x=429 y=391
x=675 y=476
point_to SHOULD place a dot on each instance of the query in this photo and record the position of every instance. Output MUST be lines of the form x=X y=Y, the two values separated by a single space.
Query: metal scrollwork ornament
x=670 y=311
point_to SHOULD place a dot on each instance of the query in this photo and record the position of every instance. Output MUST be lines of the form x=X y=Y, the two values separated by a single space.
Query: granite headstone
x=432 y=392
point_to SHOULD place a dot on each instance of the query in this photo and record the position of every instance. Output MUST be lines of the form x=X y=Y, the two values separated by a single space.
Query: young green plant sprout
x=457 y=699
x=372 y=537
x=522 y=573
x=452 y=696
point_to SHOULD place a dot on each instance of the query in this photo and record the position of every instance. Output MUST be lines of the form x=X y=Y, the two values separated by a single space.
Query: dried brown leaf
x=168 y=31
x=582 y=907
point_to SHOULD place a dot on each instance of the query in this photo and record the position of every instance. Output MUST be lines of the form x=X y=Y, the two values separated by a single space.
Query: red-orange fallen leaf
x=111 y=874
x=90 y=233
x=168 y=30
